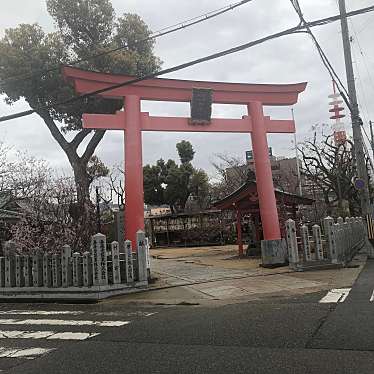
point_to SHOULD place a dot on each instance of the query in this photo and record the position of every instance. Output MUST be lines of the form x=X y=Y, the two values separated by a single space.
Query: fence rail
x=96 y=268
x=341 y=241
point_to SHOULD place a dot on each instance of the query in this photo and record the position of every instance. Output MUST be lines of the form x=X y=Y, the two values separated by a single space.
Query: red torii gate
x=132 y=121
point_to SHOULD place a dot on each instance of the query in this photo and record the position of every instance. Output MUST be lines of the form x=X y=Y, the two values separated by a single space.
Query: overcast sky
x=291 y=59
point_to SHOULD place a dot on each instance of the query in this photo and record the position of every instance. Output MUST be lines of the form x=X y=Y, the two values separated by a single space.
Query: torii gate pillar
x=264 y=177
x=134 y=199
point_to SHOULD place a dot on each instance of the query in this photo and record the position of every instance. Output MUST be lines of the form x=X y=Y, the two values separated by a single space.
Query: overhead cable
x=162 y=32
x=293 y=30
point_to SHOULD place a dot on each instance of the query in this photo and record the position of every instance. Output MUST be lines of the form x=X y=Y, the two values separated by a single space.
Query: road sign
x=359 y=183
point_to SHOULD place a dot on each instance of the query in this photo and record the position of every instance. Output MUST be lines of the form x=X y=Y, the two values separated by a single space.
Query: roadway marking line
x=41 y=312
x=28 y=353
x=59 y=322
x=73 y=335
x=49 y=335
x=372 y=297
x=336 y=295
x=72 y=312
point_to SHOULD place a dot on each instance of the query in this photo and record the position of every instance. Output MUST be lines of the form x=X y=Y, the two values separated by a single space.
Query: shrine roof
x=245 y=198
x=163 y=89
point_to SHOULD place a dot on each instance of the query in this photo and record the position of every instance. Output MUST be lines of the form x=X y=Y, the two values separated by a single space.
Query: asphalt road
x=277 y=335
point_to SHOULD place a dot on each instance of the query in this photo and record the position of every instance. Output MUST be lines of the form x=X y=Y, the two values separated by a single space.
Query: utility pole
x=355 y=116
x=371 y=137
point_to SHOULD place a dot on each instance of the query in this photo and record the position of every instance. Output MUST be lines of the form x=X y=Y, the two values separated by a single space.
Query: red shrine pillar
x=239 y=231
x=134 y=199
x=264 y=178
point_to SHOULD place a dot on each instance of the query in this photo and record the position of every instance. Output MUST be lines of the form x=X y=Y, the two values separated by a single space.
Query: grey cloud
x=286 y=60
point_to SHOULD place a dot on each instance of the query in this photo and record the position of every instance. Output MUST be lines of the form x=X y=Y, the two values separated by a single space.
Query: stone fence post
x=331 y=240
x=306 y=243
x=56 y=271
x=129 y=264
x=293 y=252
x=77 y=270
x=116 y=270
x=142 y=256
x=66 y=266
x=317 y=237
x=99 y=260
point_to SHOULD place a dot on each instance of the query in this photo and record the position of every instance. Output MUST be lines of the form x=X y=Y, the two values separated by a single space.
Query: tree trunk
x=82 y=212
x=82 y=181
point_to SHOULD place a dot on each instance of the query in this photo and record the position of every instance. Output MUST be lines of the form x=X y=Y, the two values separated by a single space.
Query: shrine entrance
x=132 y=121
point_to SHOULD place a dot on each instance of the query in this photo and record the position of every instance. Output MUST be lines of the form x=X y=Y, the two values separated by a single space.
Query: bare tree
x=112 y=186
x=329 y=169
x=48 y=204
x=50 y=220
x=232 y=174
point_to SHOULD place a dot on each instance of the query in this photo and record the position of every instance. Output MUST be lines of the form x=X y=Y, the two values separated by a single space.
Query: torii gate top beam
x=161 y=89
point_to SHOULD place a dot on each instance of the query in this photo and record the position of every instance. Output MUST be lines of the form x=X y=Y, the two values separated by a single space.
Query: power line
x=363 y=27
x=293 y=30
x=364 y=96
x=324 y=58
x=362 y=54
x=162 y=32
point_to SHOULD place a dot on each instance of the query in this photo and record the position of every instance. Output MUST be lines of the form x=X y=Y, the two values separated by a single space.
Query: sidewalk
x=215 y=275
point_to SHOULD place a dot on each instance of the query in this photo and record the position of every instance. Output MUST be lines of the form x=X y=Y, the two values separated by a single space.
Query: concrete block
x=273 y=252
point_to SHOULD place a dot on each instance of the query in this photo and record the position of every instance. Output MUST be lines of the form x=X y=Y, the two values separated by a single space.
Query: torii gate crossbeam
x=132 y=121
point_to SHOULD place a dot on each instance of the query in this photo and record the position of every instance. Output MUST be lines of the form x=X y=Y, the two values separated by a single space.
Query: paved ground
x=216 y=274
x=209 y=313
x=320 y=332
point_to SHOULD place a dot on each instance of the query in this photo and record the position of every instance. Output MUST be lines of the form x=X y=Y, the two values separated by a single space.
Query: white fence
x=341 y=241
x=101 y=267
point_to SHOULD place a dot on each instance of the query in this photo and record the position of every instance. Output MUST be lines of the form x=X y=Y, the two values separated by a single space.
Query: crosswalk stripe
x=41 y=312
x=71 y=312
x=49 y=335
x=336 y=295
x=372 y=297
x=58 y=322
x=73 y=335
x=28 y=353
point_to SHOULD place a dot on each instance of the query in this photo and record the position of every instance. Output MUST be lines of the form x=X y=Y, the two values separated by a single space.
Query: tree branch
x=90 y=149
x=79 y=138
x=64 y=144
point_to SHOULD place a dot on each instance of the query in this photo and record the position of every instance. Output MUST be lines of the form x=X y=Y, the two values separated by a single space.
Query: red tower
x=338 y=128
